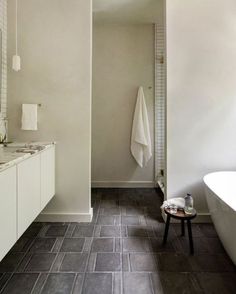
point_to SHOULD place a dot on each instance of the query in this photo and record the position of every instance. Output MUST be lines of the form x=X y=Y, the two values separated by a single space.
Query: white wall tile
x=159 y=100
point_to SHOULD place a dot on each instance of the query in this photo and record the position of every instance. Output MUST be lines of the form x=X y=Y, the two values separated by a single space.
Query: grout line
x=73 y=285
x=31 y=292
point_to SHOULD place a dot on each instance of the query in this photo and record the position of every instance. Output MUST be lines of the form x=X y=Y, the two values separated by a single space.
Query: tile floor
x=119 y=252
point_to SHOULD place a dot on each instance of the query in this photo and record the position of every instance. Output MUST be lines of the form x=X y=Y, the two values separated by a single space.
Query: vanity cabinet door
x=47 y=175
x=28 y=173
x=7 y=210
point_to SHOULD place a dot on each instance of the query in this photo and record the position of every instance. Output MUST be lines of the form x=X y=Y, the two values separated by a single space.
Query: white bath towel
x=141 y=147
x=178 y=201
x=29 y=119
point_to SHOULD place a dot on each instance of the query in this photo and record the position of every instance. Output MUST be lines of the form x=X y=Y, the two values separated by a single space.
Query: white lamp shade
x=16 y=63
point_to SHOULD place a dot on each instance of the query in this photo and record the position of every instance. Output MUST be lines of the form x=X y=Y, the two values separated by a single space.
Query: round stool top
x=180 y=214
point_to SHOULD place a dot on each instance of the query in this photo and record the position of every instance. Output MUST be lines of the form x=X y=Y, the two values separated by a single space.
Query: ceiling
x=128 y=11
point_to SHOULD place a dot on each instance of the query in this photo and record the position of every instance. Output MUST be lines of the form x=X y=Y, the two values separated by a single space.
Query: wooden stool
x=180 y=215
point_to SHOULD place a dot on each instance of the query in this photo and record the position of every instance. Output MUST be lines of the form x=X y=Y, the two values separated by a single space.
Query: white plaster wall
x=123 y=60
x=55 y=48
x=201 y=93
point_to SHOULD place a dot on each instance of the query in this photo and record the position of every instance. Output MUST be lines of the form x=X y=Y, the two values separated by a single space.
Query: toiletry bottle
x=188 y=209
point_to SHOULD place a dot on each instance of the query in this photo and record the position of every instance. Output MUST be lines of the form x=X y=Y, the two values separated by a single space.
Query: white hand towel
x=141 y=147
x=179 y=202
x=29 y=119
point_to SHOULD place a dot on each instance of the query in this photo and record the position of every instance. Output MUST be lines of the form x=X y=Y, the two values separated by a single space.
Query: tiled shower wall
x=160 y=85
x=3 y=27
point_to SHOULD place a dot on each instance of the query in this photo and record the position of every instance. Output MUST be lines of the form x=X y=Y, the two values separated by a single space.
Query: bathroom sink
x=24 y=148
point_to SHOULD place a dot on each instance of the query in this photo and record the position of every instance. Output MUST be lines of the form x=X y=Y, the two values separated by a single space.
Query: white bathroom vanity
x=27 y=184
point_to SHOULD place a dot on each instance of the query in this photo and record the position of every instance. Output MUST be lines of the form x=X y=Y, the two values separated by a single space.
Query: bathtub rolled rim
x=206 y=182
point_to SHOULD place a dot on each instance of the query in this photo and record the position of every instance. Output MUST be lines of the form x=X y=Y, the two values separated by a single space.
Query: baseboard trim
x=65 y=217
x=202 y=217
x=123 y=184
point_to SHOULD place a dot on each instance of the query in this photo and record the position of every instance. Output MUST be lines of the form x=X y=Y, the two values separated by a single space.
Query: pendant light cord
x=16 y=27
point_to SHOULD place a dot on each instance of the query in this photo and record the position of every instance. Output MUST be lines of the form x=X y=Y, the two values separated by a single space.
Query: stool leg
x=190 y=237
x=182 y=228
x=166 y=229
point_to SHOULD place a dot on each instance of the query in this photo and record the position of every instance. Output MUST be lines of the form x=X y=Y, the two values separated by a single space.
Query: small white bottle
x=188 y=209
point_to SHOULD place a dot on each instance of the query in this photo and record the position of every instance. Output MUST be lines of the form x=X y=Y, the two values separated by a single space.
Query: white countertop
x=15 y=152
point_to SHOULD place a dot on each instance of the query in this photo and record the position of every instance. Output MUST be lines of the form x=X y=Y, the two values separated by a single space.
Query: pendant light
x=16 y=62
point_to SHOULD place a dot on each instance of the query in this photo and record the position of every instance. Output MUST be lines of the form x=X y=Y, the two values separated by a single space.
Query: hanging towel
x=141 y=148
x=29 y=121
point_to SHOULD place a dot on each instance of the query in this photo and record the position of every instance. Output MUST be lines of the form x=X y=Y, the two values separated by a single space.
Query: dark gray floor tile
x=91 y=262
x=97 y=283
x=133 y=211
x=137 y=283
x=83 y=231
x=97 y=231
x=59 y=284
x=4 y=278
x=172 y=262
x=127 y=202
x=109 y=203
x=70 y=230
x=57 y=244
x=211 y=263
x=56 y=230
x=77 y=289
x=156 y=283
x=156 y=245
x=72 y=245
x=21 y=267
x=110 y=211
x=208 y=230
x=33 y=230
x=39 y=283
x=130 y=220
x=117 y=283
x=20 y=283
x=108 y=262
x=136 y=245
x=74 y=262
x=217 y=283
x=110 y=231
x=106 y=220
x=152 y=210
x=153 y=220
x=42 y=244
x=137 y=231
x=200 y=245
x=10 y=262
x=118 y=245
x=102 y=245
x=97 y=247
x=57 y=264
x=40 y=262
x=159 y=230
x=125 y=262
x=124 y=231
x=196 y=231
x=173 y=283
x=143 y=262
x=87 y=244
x=215 y=245
x=22 y=245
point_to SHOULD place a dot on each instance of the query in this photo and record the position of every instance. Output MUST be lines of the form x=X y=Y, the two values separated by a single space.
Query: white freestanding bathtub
x=220 y=190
